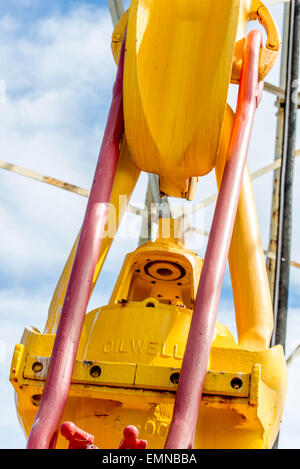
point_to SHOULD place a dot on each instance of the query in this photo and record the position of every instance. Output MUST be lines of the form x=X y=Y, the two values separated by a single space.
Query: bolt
x=37 y=367
x=174 y=378
x=117 y=37
x=95 y=371
x=236 y=383
x=36 y=400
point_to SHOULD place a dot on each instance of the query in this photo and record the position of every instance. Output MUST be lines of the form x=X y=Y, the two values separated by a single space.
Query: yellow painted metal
x=125 y=181
x=170 y=274
x=175 y=86
x=118 y=35
x=252 y=10
x=252 y=298
x=131 y=352
x=168 y=114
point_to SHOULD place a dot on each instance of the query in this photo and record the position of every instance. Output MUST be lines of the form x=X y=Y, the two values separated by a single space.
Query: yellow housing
x=129 y=361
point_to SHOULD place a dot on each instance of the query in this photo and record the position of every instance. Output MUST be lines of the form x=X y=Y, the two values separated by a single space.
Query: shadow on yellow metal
x=130 y=355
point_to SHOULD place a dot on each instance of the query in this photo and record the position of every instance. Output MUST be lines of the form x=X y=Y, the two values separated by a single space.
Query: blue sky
x=58 y=70
x=37 y=9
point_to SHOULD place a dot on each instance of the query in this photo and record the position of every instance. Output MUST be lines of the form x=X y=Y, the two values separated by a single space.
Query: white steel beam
x=116 y=9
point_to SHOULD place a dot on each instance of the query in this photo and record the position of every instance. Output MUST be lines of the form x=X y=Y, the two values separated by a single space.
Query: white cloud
x=57 y=72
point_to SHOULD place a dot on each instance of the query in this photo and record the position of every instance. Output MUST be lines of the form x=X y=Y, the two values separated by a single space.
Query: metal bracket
x=128 y=375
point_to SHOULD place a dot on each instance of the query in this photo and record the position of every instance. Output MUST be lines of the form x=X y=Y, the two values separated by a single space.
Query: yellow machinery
x=129 y=361
x=179 y=61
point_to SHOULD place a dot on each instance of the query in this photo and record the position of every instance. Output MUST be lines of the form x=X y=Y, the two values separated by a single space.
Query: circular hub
x=164 y=270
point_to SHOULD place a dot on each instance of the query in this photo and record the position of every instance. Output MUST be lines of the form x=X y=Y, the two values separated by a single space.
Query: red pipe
x=193 y=372
x=77 y=296
x=131 y=440
x=77 y=438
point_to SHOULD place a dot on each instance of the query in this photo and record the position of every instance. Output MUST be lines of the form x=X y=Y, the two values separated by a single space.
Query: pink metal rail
x=183 y=427
x=45 y=428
